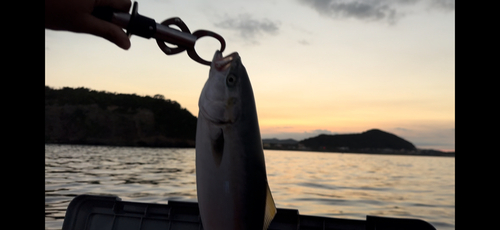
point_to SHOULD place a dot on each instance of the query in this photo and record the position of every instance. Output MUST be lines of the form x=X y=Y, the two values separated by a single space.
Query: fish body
x=231 y=180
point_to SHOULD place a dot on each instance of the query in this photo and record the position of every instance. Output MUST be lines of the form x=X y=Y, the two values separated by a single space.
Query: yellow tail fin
x=270 y=209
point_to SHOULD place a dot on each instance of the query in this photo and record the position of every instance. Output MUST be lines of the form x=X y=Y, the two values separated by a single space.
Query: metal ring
x=173 y=21
x=202 y=33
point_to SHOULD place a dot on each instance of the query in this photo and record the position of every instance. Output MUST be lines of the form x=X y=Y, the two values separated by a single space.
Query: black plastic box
x=90 y=212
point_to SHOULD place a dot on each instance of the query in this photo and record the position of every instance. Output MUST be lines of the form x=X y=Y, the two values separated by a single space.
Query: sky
x=316 y=66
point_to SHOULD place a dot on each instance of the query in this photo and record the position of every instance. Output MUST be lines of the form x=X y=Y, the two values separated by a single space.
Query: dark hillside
x=371 y=140
x=84 y=116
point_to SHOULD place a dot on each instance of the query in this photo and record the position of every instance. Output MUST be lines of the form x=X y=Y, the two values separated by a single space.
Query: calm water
x=324 y=184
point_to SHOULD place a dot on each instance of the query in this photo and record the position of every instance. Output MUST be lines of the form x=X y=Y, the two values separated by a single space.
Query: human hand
x=75 y=16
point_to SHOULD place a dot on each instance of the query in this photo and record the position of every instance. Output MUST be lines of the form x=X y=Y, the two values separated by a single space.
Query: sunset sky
x=316 y=66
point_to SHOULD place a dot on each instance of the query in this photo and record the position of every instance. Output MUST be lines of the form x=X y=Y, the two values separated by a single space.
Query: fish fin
x=218 y=146
x=270 y=208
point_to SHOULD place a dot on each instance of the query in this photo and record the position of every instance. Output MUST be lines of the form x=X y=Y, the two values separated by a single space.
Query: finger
x=108 y=31
x=121 y=5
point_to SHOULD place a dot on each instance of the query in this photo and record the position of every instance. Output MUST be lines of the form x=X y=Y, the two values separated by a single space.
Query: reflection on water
x=324 y=184
x=355 y=185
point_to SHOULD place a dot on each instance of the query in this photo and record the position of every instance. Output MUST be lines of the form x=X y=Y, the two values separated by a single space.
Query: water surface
x=323 y=184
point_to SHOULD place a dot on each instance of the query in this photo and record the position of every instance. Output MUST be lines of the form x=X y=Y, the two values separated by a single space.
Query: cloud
x=443 y=4
x=372 y=10
x=364 y=10
x=248 y=27
x=320 y=131
x=303 y=42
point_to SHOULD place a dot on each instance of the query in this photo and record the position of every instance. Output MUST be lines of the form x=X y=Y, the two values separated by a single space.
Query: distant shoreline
x=87 y=117
x=373 y=141
x=422 y=152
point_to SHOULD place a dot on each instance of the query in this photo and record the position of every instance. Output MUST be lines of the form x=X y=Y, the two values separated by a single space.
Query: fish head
x=226 y=90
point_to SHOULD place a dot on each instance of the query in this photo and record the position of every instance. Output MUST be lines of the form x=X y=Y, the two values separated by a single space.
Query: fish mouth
x=223 y=63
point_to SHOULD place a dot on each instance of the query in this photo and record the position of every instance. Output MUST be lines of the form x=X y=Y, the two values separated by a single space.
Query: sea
x=339 y=185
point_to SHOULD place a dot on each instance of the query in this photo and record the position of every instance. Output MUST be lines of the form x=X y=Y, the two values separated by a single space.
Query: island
x=373 y=141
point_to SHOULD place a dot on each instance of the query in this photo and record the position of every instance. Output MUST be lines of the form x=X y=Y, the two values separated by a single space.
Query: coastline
x=419 y=152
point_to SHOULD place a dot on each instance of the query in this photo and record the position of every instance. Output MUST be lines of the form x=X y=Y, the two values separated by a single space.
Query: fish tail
x=270 y=209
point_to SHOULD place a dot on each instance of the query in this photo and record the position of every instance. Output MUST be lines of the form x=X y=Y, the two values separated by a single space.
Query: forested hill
x=85 y=116
x=373 y=140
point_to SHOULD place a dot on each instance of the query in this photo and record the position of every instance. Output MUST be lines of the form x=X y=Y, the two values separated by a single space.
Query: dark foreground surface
x=110 y=212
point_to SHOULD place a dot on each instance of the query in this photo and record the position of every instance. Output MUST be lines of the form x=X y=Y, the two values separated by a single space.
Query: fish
x=231 y=180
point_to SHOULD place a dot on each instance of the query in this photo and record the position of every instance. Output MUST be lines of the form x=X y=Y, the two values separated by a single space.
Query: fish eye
x=231 y=80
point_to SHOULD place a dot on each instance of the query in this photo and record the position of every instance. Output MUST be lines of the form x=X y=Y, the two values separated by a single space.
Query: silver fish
x=231 y=180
